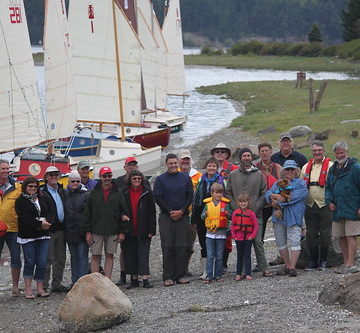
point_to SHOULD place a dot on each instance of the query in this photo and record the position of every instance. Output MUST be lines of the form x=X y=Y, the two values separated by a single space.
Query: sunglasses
x=136 y=178
x=289 y=169
x=220 y=151
x=32 y=186
x=53 y=174
x=106 y=176
x=75 y=181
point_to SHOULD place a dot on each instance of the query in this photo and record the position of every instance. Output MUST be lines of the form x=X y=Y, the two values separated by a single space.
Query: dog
x=284 y=189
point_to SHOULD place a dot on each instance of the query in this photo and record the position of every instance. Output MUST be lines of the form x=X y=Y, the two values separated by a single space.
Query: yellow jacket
x=7 y=207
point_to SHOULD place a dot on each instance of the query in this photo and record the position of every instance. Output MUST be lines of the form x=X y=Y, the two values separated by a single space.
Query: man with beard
x=249 y=179
x=342 y=195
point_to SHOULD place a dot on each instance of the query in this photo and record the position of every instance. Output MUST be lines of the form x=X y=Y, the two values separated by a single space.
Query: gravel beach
x=266 y=304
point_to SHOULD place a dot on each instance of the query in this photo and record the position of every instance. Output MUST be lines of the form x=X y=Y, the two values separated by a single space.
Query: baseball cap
x=84 y=164
x=285 y=135
x=184 y=154
x=130 y=159
x=290 y=164
x=104 y=170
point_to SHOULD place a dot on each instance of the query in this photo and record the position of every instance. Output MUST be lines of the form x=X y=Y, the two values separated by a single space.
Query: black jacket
x=74 y=204
x=29 y=225
x=57 y=225
x=146 y=212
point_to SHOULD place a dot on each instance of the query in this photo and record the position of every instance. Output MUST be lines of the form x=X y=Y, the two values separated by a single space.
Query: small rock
x=94 y=303
x=300 y=131
x=270 y=129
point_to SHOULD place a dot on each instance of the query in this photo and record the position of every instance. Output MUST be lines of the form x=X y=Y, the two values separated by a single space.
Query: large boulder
x=343 y=290
x=94 y=303
x=300 y=131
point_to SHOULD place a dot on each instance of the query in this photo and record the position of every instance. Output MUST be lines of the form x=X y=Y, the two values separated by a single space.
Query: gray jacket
x=251 y=182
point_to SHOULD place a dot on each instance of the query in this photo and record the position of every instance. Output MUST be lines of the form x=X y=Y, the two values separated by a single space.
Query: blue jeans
x=35 y=254
x=243 y=256
x=14 y=248
x=79 y=260
x=215 y=252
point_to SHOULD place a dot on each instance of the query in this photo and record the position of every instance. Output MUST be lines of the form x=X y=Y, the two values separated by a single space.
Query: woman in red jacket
x=141 y=212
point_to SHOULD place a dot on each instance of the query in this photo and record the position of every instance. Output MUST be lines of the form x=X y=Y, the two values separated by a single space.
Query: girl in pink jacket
x=244 y=227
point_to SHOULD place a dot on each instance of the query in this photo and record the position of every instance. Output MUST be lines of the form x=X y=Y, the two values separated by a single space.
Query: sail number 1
x=15 y=14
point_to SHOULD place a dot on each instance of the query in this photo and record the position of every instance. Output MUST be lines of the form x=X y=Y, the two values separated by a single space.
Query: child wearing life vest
x=216 y=214
x=244 y=227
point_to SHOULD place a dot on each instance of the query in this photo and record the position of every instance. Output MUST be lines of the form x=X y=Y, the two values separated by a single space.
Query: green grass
x=276 y=62
x=279 y=105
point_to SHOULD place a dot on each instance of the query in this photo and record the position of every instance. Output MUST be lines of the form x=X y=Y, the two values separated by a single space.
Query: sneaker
x=147 y=284
x=256 y=269
x=121 y=281
x=133 y=284
x=353 y=269
x=277 y=261
x=284 y=271
x=323 y=266
x=292 y=272
x=60 y=289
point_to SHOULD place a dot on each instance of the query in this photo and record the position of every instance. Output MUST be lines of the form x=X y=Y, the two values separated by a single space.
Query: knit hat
x=74 y=175
x=245 y=150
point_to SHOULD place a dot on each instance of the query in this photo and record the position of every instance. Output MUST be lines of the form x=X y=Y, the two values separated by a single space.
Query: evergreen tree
x=314 y=35
x=351 y=20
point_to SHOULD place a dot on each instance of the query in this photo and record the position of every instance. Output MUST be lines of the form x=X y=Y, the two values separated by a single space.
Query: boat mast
x=118 y=74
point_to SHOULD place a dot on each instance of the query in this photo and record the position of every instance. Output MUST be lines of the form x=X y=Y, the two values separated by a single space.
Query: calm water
x=208 y=113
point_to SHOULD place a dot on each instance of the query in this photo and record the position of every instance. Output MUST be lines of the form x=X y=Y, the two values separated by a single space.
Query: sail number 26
x=15 y=14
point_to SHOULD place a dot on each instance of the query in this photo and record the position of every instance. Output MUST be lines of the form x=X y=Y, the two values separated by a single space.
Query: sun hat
x=290 y=164
x=221 y=146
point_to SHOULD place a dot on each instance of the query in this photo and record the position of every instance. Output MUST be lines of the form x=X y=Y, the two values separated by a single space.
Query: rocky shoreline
x=275 y=304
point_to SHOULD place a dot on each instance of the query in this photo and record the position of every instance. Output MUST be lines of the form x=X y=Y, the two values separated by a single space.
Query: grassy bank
x=276 y=62
x=278 y=105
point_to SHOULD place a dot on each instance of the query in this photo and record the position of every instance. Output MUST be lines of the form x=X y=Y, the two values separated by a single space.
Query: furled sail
x=21 y=121
x=59 y=81
x=172 y=32
x=94 y=62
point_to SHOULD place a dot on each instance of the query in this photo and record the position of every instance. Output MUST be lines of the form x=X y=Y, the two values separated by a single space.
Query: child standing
x=216 y=214
x=244 y=229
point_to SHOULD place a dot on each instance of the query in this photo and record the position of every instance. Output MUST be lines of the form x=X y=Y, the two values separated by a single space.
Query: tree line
x=232 y=20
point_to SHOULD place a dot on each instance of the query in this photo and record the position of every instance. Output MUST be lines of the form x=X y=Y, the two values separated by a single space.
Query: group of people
x=227 y=202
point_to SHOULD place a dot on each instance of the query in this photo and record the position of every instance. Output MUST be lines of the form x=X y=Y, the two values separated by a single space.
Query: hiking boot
x=146 y=284
x=312 y=266
x=122 y=279
x=277 y=261
x=292 y=272
x=60 y=289
x=133 y=284
x=323 y=266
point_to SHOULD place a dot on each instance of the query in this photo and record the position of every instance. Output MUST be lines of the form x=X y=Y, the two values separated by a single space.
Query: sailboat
x=22 y=122
x=109 y=150
x=94 y=62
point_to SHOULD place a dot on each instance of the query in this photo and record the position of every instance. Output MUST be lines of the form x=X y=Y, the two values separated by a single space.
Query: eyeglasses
x=75 y=181
x=317 y=150
x=53 y=174
x=32 y=186
x=107 y=176
x=136 y=178
x=289 y=169
x=220 y=151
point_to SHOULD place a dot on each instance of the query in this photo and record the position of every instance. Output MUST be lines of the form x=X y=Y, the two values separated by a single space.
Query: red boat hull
x=153 y=139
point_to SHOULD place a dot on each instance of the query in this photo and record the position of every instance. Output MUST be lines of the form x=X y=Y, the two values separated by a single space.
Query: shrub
x=330 y=51
x=294 y=49
x=310 y=50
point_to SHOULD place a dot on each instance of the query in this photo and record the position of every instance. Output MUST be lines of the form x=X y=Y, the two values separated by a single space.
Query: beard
x=341 y=160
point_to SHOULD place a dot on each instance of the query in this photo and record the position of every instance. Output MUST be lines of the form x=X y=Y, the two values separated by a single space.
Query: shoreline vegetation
x=273 y=107
x=308 y=64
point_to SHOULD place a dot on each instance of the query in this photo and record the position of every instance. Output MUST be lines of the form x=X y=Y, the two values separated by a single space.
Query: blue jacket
x=293 y=211
x=343 y=190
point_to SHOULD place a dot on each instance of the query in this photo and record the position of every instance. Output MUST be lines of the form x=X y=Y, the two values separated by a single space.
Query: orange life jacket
x=216 y=215
x=243 y=222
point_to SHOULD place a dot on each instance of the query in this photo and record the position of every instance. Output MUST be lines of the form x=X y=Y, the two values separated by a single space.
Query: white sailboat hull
x=113 y=154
